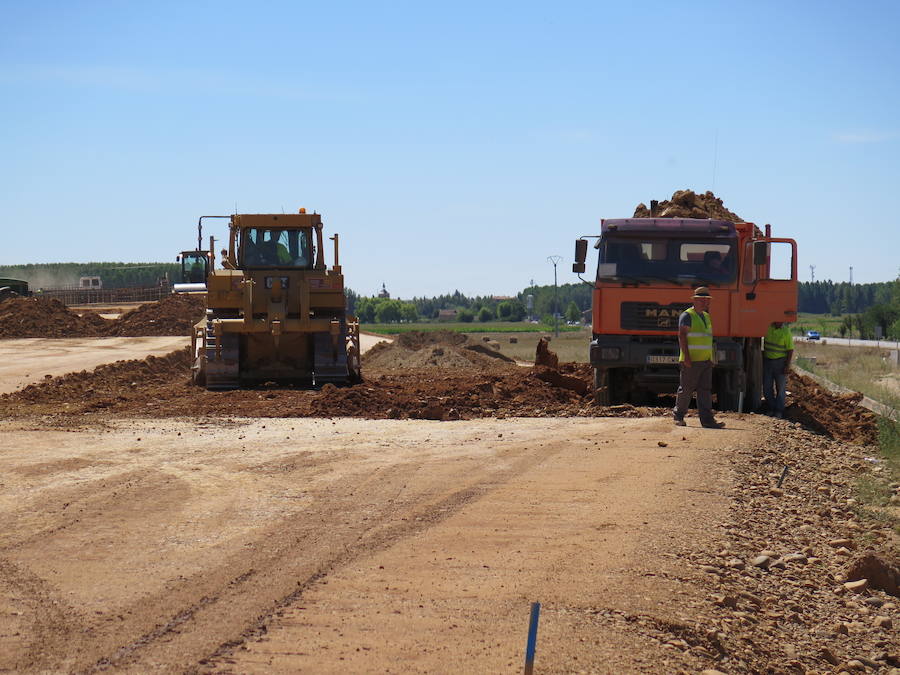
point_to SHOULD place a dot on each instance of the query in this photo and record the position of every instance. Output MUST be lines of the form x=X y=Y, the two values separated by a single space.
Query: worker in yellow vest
x=695 y=338
x=778 y=351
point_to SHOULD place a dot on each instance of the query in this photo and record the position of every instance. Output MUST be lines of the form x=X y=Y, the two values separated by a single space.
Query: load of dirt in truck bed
x=38 y=317
x=442 y=349
x=689 y=204
x=838 y=416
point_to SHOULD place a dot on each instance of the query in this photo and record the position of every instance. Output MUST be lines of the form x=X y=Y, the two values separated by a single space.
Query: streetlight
x=554 y=260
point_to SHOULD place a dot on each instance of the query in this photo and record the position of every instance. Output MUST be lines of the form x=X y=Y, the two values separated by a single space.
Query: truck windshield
x=675 y=260
x=274 y=247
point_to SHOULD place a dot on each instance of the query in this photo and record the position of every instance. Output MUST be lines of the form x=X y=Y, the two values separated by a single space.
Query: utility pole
x=812 y=274
x=851 y=275
x=554 y=260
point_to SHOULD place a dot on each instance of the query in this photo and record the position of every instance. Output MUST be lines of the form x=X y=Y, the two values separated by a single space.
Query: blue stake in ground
x=532 y=638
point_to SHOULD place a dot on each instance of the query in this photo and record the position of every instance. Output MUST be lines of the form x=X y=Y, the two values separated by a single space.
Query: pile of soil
x=172 y=315
x=444 y=350
x=473 y=385
x=688 y=204
x=38 y=317
x=160 y=387
x=838 y=416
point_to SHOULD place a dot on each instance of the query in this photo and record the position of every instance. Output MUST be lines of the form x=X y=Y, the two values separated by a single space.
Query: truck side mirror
x=760 y=253
x=580 y=255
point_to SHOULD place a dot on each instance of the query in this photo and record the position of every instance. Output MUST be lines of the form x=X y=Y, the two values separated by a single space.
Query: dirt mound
x=50 y=318
x=443 y=349
x=689 y=204
x=172 y=315
x=544 y=357
x=835 y=415
x=160 y=387
x=419 y=339
x=37 y=317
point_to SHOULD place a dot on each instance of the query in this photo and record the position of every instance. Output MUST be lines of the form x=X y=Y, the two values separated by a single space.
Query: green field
x=461 y=327
x=826 y=324
x=517 y=340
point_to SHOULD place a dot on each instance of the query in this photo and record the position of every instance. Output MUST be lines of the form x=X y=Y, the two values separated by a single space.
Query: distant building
x=383 y=293
x=447 y=315
x=90 y=282
x=501 y=298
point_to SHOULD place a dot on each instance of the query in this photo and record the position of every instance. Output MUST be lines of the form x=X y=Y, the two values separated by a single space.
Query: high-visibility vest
x=700 y=337
x=778 y=343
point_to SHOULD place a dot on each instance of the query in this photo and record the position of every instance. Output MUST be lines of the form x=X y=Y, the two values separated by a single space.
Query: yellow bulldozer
x=275 y=312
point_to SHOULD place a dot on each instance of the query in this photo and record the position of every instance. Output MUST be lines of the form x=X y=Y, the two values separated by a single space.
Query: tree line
x=828 y=297
x=869 y=311
x=112 y=274
x=569 y=301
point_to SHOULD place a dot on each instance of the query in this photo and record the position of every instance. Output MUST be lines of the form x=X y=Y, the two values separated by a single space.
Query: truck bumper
x=653 y=360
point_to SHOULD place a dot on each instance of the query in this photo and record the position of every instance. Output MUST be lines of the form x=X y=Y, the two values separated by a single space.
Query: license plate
x=664 y=358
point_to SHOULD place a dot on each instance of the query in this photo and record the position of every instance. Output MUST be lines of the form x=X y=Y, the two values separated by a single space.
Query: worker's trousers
x=774 y=384
x=697 y=378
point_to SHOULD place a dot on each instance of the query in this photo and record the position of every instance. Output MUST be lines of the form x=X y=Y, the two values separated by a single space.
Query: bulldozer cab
x=275 y=247
x=194 y=267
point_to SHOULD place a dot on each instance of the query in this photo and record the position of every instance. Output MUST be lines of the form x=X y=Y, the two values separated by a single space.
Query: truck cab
x=647 y=269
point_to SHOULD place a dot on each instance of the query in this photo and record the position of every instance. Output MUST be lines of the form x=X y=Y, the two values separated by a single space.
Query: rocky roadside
x=807 y=581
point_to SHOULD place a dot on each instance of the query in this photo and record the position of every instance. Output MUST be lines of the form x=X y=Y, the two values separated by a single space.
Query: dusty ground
x=146 y=525
x=28 y=360
x=349 y=545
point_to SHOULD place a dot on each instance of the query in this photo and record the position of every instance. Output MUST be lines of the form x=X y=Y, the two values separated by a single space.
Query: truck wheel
x=753 y=365
x=602 y=380
x=728 y=390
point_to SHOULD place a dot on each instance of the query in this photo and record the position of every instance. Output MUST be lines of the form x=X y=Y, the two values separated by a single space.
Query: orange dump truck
x=646 y=271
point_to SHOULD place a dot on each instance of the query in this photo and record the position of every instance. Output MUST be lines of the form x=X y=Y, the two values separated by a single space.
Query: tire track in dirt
x=44 y=616
x=209 y=612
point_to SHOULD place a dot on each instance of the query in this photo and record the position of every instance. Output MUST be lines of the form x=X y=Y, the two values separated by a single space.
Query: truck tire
x=602 y=395
x=753 y=370
x=728 y=389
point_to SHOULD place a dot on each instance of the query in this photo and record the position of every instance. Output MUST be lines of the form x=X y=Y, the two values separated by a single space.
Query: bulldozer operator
x=266 y=248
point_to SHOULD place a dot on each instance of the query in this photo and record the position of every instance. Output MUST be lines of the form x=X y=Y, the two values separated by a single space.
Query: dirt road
x=345 y=545
x=28 y=360
x=146 y=525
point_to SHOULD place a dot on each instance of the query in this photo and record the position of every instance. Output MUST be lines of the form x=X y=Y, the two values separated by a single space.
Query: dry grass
x=873 y=372
x=571 y=346
x=866 y=369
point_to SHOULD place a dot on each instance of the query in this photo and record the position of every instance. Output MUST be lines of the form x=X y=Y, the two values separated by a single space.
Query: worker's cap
x=702 y=292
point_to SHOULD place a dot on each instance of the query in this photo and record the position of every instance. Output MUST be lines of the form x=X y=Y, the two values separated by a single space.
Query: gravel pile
x=786 y=591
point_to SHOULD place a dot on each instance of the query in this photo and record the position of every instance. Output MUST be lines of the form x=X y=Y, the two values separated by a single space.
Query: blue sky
x=452 y=146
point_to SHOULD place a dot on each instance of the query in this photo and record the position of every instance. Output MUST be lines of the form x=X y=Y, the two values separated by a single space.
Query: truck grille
x=651 y=315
